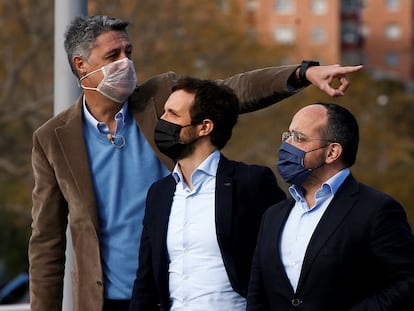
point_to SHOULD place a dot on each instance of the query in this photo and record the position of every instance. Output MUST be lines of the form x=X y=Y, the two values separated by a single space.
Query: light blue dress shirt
x=197 y=277
x=302 y=222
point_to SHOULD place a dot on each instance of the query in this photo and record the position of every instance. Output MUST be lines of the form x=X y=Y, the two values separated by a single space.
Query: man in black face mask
x=337 y=244
x=201 y=222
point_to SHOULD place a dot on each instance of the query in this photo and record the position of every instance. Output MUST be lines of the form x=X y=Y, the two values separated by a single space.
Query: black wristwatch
x=302 y=71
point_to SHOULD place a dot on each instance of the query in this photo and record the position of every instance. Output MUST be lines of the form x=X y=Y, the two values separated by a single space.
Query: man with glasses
x=336 y=244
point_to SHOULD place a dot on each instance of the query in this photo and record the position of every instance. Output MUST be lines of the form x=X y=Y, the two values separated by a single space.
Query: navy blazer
x=243 y=193
x=360 y=257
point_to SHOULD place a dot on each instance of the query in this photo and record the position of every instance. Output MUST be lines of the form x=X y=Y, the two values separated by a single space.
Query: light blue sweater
x=121 y=178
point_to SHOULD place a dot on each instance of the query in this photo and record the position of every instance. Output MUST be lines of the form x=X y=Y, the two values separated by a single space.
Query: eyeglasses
x=298 y=137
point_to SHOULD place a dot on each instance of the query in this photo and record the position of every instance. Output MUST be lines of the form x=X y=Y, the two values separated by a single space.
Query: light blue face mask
x=291 y=164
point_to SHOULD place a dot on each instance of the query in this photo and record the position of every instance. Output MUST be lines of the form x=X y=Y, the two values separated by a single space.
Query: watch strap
x=302 y=71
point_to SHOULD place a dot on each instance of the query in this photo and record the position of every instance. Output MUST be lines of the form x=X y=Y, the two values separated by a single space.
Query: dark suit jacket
x=243 y=192
x=360 y=257
x=64 y=185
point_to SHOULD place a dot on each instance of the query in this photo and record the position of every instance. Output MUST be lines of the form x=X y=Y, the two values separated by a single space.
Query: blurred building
x=377 y=33
x=388 y=32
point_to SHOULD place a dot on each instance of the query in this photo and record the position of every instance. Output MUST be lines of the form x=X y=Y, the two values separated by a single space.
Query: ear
x=79 y=64
x=206 y=127
x=334 y=152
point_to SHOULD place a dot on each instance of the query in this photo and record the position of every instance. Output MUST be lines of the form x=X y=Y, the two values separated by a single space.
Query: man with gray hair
x=95 y=161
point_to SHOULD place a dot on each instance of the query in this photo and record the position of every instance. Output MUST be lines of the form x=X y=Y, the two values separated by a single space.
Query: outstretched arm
x=261 y=88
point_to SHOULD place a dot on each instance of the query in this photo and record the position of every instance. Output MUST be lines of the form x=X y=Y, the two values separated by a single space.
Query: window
x=284 y=6
x=319 y=7
x=348 y=6
x=392 y=5
x=393 y=31
x=350 y=33
x=318 y=35
x=251 y=5
x=284 y=34
x=365 y=30
x=392 y=59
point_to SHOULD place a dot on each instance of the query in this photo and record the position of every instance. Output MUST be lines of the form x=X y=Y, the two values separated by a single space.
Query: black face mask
x=167 y=139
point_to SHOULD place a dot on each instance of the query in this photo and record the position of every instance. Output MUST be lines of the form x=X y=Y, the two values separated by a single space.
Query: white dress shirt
x=197 y=277
x=302 y=222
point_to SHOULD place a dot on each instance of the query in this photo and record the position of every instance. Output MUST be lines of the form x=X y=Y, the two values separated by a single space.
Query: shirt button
x=296 y=302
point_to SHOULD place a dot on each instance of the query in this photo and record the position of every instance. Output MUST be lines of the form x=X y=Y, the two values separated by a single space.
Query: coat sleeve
x=144 y=294
x=256 y=296
x=48 y=240
x=392 y=244
x=258 y=89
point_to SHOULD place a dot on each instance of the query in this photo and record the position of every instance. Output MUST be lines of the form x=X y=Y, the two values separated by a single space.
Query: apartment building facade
x=388 y=38
x=377 y=33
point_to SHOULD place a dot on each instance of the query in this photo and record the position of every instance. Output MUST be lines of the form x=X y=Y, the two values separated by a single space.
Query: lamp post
x=66 y=91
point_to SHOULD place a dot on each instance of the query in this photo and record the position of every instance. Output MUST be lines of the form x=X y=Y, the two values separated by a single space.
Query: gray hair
x=81 y=35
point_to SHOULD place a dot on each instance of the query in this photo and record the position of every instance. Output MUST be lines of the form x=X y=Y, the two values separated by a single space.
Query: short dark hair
x=81 y=34
x=212 y=101
x=342 y=127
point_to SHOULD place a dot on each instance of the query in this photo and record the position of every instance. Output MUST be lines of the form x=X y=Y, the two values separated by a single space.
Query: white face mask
x=118 y=82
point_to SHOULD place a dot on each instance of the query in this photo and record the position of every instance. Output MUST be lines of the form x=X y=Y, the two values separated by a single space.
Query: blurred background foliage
x=188 y=37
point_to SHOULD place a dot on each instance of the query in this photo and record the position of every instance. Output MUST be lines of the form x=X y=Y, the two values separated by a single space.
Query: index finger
x=348 y=69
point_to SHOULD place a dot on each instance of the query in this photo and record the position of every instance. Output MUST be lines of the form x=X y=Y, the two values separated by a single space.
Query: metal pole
x=66 y=89
x=65 y=92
